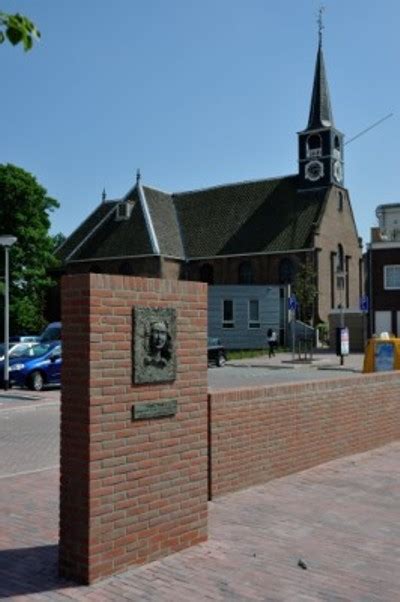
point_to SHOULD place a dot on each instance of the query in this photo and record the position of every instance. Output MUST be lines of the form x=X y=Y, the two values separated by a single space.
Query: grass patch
x=239 y=354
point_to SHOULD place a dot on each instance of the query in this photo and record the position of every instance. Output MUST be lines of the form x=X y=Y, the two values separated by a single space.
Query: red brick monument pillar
x=133 y=422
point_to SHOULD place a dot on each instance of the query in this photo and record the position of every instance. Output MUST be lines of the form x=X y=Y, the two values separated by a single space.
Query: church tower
x=320 y=144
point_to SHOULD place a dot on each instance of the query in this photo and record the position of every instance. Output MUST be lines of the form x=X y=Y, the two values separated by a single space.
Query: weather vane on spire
x=320 y=23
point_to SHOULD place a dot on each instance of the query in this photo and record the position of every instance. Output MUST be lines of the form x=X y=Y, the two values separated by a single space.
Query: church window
x=336 y=147
x=340 y=259
x=340 y=201
x=126 y=268
x=207 y=273
x=246 y=273
x=314 y=146
x=340 y=271
x=286 y=271
x=96 y=268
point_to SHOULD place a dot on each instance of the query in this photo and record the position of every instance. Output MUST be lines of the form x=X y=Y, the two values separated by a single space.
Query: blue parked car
x=15 y=349
x=39 y=366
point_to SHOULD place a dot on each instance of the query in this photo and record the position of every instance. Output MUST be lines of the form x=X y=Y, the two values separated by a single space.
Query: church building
x=247 y=240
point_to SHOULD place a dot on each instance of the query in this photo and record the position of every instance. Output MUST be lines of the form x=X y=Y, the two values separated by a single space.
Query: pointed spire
x=138 y=176
x=320 y=110
x=103 y=196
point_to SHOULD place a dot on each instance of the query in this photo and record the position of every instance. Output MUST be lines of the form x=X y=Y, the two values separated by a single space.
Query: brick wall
x=131 y=491
x=337 y=227
x=263 y=433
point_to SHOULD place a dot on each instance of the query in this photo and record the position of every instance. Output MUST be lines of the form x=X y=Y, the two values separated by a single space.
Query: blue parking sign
x=364 y=303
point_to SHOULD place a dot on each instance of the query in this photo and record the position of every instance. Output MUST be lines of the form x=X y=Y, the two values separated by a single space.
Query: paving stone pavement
x=341 y=519
x=29 y=437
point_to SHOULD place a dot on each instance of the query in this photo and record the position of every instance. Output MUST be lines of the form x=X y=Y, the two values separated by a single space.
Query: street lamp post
x=6 y=241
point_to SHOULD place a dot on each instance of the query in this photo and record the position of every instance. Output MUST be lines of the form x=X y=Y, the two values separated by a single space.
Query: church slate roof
x=102 y=236
x=269 y=215
x=84 y=229
x=113 y=238
x=165 y=222
x=250 y=217
x=320 y=110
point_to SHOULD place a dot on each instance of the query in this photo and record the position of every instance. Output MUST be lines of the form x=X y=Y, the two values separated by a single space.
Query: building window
x=392 y=277
x=124 y=211
x=246 y=273
x=207 y=273
x=340 y=281
x=286 y=271
x=126 y=268
x=96 y=268
x=314 y=146
x=227 y=314
x=254 y=313
x=340 y=259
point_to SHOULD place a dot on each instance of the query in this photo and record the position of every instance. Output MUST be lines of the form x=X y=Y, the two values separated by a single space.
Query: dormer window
x=124 y=210
x=314 y=146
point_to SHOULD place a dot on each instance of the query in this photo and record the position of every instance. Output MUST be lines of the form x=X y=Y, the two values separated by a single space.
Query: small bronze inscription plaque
x=144 y=411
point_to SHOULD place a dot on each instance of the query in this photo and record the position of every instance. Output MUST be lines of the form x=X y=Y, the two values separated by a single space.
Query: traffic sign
x=364 y=303
x=292 y=303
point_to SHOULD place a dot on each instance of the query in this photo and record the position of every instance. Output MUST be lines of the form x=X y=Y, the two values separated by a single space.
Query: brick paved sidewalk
x=341 y=519
x=17 y=399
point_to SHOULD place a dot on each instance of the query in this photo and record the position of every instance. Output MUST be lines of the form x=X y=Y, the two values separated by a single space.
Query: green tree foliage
x=58 y=240
x=305 y=287
x=18 y=29
x=24 y=213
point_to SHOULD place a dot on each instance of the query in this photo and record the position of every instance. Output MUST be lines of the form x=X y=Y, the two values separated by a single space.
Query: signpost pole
x=292 y=305
x=364 y=306
x=341 y=333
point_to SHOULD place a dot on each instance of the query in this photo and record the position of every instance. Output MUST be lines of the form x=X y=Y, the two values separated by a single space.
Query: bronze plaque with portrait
x=154 y=344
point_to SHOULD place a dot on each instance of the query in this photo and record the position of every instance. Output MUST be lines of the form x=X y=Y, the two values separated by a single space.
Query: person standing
x=272 y=341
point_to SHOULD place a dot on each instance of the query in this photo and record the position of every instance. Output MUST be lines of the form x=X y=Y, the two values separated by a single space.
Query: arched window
x=314 y=145
x=336 y=143
x=340 y=259
x=207 y=273
x=96 y=268
x=126 y=268
x=286 y=271
x=245 y=273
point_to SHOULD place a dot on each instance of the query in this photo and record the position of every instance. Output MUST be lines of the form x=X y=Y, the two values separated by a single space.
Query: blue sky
x=196 y=93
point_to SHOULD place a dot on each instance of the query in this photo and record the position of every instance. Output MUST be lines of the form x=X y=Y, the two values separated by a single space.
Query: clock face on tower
x=337 y=171
x=314 y=171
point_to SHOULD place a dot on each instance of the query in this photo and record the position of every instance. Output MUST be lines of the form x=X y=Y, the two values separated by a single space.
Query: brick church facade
x=246 y=233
